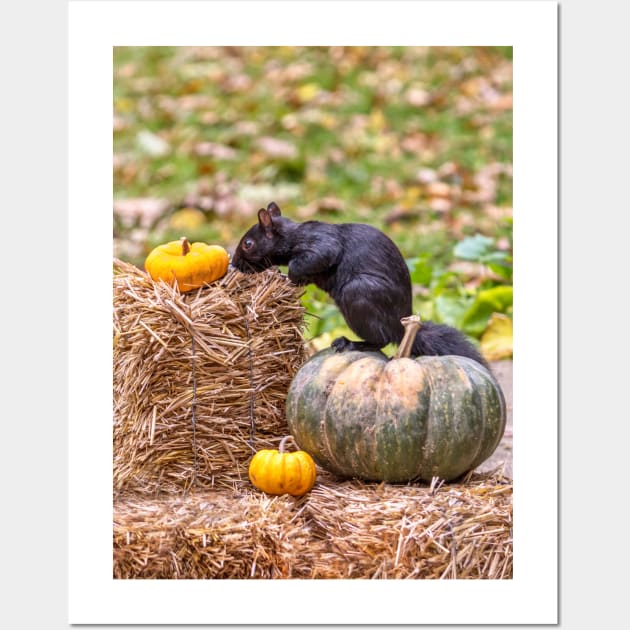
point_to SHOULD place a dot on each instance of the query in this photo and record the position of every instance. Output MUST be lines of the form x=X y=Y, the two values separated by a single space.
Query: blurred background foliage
x=416 y=141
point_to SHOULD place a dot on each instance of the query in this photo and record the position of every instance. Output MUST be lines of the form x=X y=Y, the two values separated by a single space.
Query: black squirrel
x=360 y=268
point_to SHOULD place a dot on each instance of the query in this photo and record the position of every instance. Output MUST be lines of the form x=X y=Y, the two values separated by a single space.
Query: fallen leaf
x=307 y=92
x=187 y=219
x=426 y=175
x=215 y=150
x=497 y=341
x=318 y=207
x=417 y=97
x=438 y=189
x=377 y=121
x=152 y=144
x=502 y=103
x=142 y=212
x=440 y=204
x=264 y=193
x=274 y=147
x=410 y=197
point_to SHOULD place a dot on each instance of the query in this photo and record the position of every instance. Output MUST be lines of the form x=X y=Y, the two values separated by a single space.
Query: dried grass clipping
x=340 y=529
x=199 y=379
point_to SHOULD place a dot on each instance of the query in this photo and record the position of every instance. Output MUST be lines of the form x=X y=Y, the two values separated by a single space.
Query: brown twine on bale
x=193 y=408
x=341 y=529
x=200 y=379
x=251 y=393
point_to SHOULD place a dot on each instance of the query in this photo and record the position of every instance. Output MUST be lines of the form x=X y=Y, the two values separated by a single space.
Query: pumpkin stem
x=412 y=326
x=185 y=245
x=282 y=442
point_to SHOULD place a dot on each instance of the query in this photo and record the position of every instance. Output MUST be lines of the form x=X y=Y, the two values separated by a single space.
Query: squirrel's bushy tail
x=441 y=339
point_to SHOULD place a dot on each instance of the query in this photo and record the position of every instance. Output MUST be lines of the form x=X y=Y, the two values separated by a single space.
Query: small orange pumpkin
x=185 y=265
x=276 y=472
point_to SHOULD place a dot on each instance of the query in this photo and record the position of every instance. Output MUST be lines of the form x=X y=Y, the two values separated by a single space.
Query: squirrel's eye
x=248 y=243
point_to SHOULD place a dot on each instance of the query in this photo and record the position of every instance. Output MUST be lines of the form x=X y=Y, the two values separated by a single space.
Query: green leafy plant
x=481 y=249
x=447 y=299
x=440 y=294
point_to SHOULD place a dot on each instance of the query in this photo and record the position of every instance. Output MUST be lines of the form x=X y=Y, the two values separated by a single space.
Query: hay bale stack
x=200 y=379
x=341 y=529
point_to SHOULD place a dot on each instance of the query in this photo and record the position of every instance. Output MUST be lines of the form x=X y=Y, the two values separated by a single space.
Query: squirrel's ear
x=264 y=220
x=273 y=209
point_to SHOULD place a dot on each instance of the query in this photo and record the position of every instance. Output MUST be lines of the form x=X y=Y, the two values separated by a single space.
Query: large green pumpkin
x=360 y=414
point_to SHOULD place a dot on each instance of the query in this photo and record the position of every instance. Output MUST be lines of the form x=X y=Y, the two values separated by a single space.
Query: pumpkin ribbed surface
x=360 y=414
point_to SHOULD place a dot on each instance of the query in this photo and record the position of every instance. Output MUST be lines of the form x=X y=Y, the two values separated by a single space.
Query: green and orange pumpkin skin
x=362 y=415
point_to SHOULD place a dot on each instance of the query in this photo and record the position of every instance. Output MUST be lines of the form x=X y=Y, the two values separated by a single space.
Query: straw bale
x=199 y=379
x=340 y=529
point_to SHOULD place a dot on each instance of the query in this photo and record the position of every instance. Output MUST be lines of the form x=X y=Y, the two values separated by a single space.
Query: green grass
x=362 y=122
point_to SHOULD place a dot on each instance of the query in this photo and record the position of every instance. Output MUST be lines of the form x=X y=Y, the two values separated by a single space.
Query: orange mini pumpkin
x=185 y=265
x=276 y=472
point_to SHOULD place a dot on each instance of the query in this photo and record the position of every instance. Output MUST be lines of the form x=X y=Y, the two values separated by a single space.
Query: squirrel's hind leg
x=370 y=314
